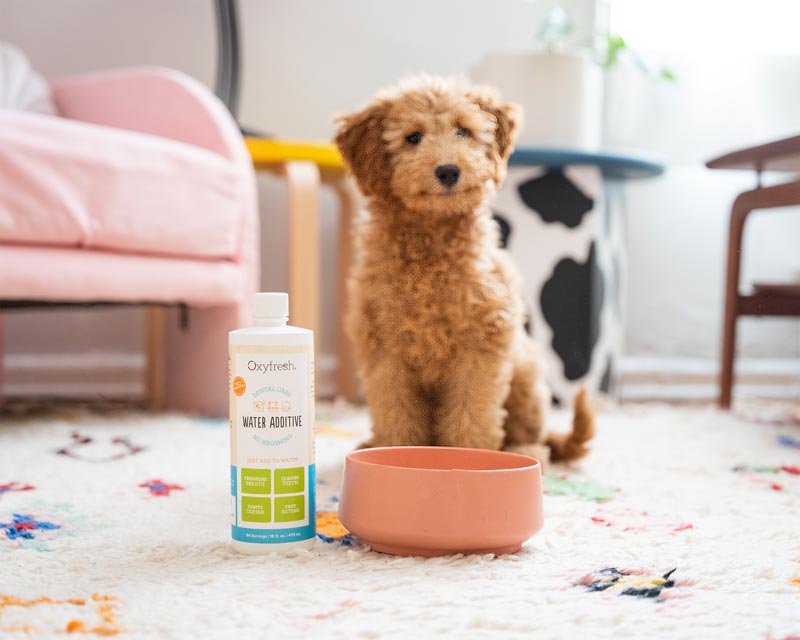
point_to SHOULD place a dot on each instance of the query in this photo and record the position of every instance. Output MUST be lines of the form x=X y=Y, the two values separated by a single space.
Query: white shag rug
x=682 y=523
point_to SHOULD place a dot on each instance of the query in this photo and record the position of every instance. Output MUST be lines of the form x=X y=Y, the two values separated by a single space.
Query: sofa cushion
x=68 y=183
x=65 y=275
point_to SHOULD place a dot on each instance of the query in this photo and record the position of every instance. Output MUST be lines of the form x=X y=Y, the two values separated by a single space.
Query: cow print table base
x=564 y=228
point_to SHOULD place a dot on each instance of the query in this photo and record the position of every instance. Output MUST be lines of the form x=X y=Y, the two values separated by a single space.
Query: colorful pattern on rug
x=634 y=521
x=330 y=529
x=121 y=447
x=105 y=612
x=795 y=581
x=26 y=526
x=42 y=525
x=762 y=475
x=658 y=483
x=159 y=488
x=25 y=531
x=583 y=489
x=637 y=583
x=788 y=441
x=15 y=486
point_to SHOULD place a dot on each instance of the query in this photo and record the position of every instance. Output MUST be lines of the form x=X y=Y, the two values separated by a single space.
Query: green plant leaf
x=614 y=46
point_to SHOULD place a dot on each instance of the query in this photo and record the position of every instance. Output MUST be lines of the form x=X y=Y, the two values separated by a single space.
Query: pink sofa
x=143 y=191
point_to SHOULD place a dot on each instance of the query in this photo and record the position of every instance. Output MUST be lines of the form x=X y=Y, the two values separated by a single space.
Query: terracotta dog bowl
x=433 y=501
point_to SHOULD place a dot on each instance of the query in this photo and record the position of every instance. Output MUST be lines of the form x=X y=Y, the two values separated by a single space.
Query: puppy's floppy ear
x=359 y=139
x=508 y=116
x=509 y=120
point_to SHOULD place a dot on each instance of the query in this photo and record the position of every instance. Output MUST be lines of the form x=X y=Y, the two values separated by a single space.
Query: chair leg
x=154 y=367
x=739 y=214
x=346 y=370
x=303 y=181
x=780 y=195
x=728 y=355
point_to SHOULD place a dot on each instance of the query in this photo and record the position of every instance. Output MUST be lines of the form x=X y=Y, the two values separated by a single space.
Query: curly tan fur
x=435 y=307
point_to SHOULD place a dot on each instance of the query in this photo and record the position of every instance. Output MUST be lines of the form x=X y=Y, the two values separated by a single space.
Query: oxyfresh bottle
x=272 y=431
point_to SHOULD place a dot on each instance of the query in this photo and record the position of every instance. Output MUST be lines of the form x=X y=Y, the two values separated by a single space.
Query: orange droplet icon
x=239 y=386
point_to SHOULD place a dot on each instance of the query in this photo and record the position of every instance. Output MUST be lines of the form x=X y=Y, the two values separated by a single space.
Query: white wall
x=305 y=60
x=738 y=84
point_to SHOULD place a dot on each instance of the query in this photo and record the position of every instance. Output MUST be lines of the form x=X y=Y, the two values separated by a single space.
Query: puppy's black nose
x=447 y=174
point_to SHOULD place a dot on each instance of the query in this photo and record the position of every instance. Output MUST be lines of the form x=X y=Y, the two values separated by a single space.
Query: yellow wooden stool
x=307 y=165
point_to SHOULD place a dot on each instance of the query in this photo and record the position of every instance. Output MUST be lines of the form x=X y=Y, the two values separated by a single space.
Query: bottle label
x=272 y=443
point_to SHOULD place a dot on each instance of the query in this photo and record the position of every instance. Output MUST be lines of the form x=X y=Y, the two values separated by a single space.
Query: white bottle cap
x=271 y=305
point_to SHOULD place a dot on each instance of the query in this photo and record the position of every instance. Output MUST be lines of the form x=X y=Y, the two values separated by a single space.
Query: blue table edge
x=613 y=165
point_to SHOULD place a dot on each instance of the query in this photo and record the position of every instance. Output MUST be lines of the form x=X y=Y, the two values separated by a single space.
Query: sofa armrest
x=156 y=101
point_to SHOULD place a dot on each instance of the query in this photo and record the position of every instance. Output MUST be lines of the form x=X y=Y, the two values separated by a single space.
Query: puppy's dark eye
x=414 y=138
x=463 y=132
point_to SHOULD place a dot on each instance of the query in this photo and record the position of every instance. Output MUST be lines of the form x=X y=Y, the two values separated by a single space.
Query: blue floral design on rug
x=25 y=526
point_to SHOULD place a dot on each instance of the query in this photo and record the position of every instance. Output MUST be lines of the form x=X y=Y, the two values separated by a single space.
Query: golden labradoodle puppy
x=436 y=313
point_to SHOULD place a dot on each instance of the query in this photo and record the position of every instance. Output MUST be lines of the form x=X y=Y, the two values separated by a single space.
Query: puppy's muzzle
x=447 y=174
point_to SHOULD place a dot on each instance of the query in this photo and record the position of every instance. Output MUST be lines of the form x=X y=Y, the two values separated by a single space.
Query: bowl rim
x=352 y=457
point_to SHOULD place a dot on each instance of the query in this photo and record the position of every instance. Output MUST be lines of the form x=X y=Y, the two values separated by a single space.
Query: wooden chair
x=306 y=166
x=766 y=299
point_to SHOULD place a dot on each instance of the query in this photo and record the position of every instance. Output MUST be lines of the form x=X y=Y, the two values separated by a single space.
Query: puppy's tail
x=572 y=445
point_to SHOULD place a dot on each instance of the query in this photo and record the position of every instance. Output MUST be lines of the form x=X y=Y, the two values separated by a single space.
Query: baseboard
x=684 y=378
x=121 y=376
x=79 y=375
x=109 y=375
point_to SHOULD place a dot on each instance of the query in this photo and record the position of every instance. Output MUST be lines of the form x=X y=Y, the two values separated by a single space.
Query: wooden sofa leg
x=154 y=367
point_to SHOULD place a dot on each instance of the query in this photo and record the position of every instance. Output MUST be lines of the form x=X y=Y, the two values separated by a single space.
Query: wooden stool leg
x=739 y=214
x=346 y=370
x=303 y=181
x=154 y=367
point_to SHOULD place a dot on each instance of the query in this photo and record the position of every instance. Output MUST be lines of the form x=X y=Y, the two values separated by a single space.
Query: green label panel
x=290 y=509
x=255 y=481
x=290 y=480
x=256 y=509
